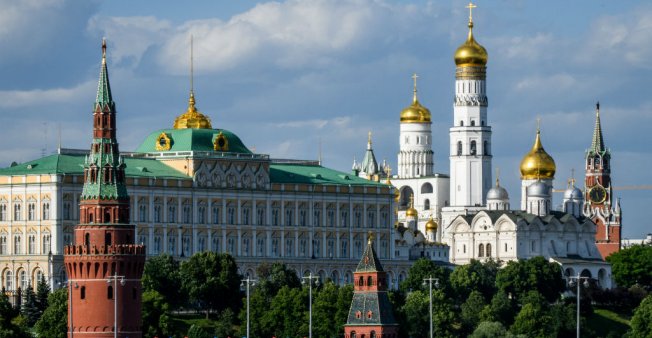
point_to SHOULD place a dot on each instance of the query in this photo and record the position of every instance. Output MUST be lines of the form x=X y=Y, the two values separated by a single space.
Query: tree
x=471 y=310
x=517 y=278
x=534 y=321
x=323 y=307
x=211 y=281
x=287 y=315
x=42 y=294
x=502 y=309
x=54 y=321
x=417 y=314
x=163 y=275
x=642 y=320
x=29 y=307
x=424 y=268
x=489 y=330
x=344 y=297
x=476 y=276
x=224 y=324
x=632 y=266
x=154 y=314
x=196 y=331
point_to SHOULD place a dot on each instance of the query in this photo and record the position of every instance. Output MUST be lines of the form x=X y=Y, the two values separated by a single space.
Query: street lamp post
x=115 y=279
x=429 y=281
x=252 y=282
x=572 y=280
x=309 y=279
x=68 y=284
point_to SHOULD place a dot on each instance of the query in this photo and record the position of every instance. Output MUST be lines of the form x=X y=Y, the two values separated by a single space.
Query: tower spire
x=103 y=87
x=414 y=78
x=597 y=145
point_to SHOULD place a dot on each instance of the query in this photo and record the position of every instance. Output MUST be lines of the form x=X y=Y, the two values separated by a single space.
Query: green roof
x=74 y=165
x=193 y=140
x=314 y=174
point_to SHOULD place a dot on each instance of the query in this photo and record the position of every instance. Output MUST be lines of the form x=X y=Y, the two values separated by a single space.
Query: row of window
x=31 y=211
x=259 y=219
x=10 y=283
x=18 y=246
x=260 y=250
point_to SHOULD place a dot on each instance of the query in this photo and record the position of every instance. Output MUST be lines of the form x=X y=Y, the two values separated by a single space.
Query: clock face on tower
x=597 y=194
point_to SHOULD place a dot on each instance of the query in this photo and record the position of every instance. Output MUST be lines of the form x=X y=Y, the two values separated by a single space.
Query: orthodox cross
x=471 y=6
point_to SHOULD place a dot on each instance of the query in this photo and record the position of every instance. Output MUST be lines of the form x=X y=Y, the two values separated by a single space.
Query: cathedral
x=473 y=219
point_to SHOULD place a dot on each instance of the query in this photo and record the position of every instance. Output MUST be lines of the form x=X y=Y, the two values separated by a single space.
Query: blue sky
x=285 y=75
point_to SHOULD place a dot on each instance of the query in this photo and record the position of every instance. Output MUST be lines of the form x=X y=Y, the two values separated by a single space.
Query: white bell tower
x=470 y=136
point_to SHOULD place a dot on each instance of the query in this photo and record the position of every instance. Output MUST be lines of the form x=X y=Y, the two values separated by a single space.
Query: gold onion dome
x=431 y=224
x=411 y=211
x=471 y=53
x=192 y=118
x=537 y=164
x=415 y=113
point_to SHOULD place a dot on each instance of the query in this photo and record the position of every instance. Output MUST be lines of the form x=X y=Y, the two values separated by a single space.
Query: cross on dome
x=471 y=6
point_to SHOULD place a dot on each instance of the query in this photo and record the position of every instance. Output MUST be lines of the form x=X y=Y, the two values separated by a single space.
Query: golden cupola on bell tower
x=471 y=53
x=537 y=163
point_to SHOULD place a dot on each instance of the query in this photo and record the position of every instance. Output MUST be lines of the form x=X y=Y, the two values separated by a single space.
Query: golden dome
x=411 y=211
x=431 y=225
x=415 y=113
x=192 y=118
x=537 y=163
x=471 y=53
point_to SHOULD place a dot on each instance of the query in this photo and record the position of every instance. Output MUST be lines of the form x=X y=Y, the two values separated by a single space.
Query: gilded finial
x=192 y=71
x=597 y=106
x=411 y=201
x=371 y=237
x=471 y=6
x=414 y=78
x=103 y=50
x=572 y=179
x=369 y=138
x=538 y=125
x=497 y=177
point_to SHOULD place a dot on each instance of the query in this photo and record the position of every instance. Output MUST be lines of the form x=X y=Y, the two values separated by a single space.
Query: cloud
x=559 y=82
x=292 y=35
x=11 y=99
x=130 y=37
x=621 y=38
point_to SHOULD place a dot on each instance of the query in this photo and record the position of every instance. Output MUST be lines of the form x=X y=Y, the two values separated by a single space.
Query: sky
x=287 y=76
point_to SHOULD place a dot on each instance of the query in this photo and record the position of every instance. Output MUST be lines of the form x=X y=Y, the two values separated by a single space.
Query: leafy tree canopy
x=632 y=265
x=54 y=321
x=517 y=278
x=424 y=268
x=163 y=275
x=642 y=320
x=475 y=276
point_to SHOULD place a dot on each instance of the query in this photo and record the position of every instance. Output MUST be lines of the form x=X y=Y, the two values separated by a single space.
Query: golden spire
x=471 y=6
x=414 y=97
x=497 y=177
x=370 y=238
x=369 y=138
x=192 y=118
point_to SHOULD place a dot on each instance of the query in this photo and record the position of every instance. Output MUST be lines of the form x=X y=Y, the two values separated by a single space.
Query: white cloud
x=557 y=82
x=130 y=37
x=292 y=34
x=44 y=97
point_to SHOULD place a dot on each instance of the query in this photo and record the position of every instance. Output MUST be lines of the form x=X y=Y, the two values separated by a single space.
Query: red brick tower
x=370 y=315
x=599 y=200
x=104 y=266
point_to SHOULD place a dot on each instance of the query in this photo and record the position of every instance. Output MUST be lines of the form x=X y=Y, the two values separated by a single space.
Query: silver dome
x=538 y=189
x=573 y=193
x=497 y=193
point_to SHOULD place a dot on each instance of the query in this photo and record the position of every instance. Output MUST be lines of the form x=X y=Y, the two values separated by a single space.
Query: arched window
x=461 y=123
x=109 y=292
x=505 y=247
x=372 y=334
x=353 y=334
x=370 y=281
x=473 y=149
x=459 y=148
x=87 y=240
x=464 y=248
x=82 y=292
x=361 y=281
x=426 y=204
x=481 y=250
x=485 y=148
x=426 y=188
x=482 y=123
x=488 y=249
x=472 y=123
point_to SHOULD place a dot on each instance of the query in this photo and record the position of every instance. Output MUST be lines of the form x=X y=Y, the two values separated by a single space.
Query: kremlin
x=90 y=220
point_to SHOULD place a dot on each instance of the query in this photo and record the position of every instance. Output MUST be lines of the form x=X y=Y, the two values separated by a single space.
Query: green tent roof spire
x=103 y=87
x=597 y=145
